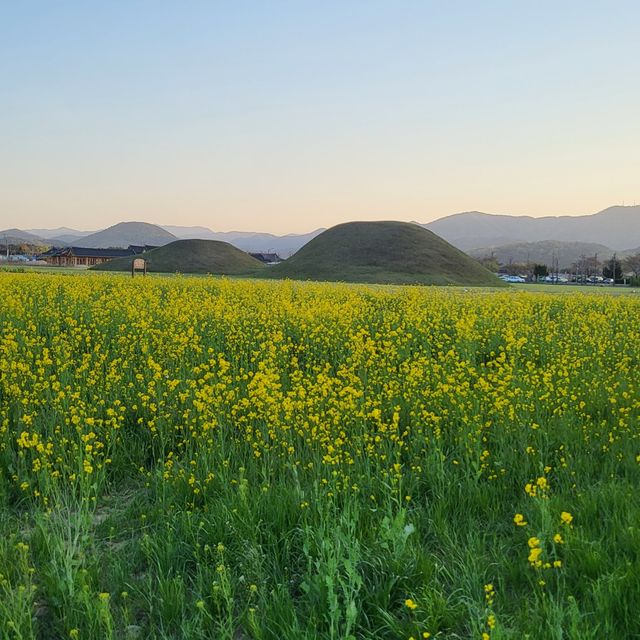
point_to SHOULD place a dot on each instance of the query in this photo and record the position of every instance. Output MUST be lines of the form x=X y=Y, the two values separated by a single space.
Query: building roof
x=269 y=258
x=141 y=248
x=49 y=252
x=85 y=252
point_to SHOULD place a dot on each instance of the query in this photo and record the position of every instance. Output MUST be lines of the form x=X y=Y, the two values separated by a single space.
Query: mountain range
x=18 y=236
x=284 y=246
x=142 y=233
x=126 y=233
x=508 y=238
x=59 y=232
x=616 y=227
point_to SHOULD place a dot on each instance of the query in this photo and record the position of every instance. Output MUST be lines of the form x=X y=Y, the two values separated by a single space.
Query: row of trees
x=613 y=268
x=585 y=268
x=20 y=248
x=632 y=264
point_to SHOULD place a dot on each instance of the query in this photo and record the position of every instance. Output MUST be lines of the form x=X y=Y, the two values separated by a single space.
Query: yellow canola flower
x=566 y=518
x=519 y=520
x=354 y=391
x=534 y=556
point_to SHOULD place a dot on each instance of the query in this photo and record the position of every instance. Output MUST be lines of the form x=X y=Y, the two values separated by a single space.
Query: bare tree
x=632 y=263
x=489 y=262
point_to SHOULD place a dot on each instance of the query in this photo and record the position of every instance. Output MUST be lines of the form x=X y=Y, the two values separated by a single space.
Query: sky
x=288 y=116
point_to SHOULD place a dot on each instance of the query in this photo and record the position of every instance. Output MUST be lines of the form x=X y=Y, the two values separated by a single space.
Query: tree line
x=587 y=267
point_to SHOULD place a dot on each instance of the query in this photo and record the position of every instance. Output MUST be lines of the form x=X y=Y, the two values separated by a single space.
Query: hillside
x=190 y=233
x=382 y=252
x=615 y=227
x=62 y=236
x=192 y=256
x=126 y=233
x=60 y=232
x=17 y=236
x=543 y=252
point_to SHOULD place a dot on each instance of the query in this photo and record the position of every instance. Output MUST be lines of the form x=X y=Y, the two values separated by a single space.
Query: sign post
x=138 y=264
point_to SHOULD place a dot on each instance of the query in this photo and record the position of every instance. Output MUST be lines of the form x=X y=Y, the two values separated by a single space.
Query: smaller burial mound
x=191 y=256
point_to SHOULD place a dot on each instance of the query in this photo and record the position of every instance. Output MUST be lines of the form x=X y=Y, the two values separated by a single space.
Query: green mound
x=191 y=256
x=383 y=252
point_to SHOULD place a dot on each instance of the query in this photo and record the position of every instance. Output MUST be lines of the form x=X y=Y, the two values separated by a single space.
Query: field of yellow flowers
x=211 y=458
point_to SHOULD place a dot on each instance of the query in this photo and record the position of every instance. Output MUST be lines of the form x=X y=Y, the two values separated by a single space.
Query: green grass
x=192 y=256
x=284 y=460
x=27 y=268
x=578 y=288
x=383 y=252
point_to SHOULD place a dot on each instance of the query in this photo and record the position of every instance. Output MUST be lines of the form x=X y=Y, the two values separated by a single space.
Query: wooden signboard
x=138 y=264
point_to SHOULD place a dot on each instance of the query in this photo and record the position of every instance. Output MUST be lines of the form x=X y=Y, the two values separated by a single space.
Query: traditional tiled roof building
x=267 y=258
x=87 y=257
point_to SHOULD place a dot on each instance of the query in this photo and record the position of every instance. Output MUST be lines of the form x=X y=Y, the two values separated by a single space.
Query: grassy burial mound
x=383 y=252
x=192 y=256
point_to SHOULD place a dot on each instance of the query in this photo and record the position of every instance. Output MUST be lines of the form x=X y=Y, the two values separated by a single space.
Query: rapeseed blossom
x=519 y=520
x=566 y=518
x=317 y=399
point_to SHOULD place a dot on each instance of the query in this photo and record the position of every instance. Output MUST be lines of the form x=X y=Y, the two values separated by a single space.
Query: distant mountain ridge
x=616 y=227
x=125 y=233
x=59 y=232
x=248 y=241
x=61 y=236
x=284 y=246
x=18 y=236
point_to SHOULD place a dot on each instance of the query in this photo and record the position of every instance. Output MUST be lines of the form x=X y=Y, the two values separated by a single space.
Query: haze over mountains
x=141 y=233
x=17 y=236
x=508 y=238
x=284 y=246
x=59 y=232
x=616 y=227
x=126 y=233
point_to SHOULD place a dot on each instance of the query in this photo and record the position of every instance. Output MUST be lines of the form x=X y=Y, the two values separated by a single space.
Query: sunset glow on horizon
x=287 y=117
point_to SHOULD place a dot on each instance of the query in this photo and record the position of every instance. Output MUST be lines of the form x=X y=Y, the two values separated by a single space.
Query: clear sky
x=287 y=116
